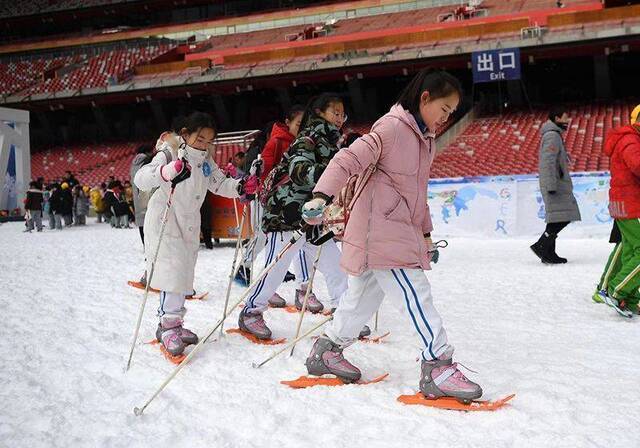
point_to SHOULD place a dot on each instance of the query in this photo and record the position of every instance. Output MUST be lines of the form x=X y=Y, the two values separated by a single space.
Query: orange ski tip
x=202 y=296
x=374 y=340
x=175 y=359
x=292 y=309
x=311 y=381
x=255 y=340
x=453 y=404
x=139 y=285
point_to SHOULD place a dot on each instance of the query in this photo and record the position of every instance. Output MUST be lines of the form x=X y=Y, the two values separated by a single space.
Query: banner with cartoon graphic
x=512 y=205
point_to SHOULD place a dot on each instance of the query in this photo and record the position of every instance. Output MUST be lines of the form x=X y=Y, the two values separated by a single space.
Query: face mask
x=563 y=126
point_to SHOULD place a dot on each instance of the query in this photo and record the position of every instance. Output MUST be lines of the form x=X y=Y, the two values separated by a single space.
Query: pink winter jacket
x=388 y=221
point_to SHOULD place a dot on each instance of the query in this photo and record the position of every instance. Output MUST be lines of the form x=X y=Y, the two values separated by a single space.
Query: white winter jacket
x=174 y=269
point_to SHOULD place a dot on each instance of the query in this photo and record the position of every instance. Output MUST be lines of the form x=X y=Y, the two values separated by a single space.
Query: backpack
x=336 y=215
x=278 y=176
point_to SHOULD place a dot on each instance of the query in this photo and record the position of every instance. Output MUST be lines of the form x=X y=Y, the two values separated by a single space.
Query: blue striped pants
x=408 y=289
x=305 y=253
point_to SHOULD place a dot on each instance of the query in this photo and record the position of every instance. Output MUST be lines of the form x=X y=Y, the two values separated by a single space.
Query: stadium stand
x=509 y=144
x=20 y=8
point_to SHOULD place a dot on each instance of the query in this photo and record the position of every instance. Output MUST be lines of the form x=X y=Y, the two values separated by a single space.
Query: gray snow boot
x=441 y=378
x=254 y=323
x=366 y=331
x=326 y=357
x=313 y=304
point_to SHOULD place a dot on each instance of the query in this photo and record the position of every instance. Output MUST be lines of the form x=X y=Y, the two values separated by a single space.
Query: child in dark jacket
x=33 y=207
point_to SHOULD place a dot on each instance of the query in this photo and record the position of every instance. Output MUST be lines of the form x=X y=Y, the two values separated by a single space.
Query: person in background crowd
x=67 y=204
x=127 y=192
x=47 y=207
x=80 y=205
x=56 y=205
x=33 y=206
x=556 y=186
x=98 y=203
x=70 y=179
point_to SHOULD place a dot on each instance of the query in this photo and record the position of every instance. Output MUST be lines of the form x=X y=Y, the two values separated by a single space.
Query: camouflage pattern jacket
x=303 y=164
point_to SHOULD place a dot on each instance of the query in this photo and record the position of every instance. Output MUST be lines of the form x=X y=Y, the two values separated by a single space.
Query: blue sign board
x=496 y=65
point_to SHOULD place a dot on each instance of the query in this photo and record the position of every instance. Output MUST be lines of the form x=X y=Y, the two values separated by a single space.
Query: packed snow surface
x=526 y=328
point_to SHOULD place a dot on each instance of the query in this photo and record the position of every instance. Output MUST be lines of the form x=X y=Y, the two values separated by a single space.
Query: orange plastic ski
x=376 y=339
x=139 y=285
x=310 y=381
x=292 y=309
x=201 y=296
x=255 y=340
x=453 y=404
x=175 y=359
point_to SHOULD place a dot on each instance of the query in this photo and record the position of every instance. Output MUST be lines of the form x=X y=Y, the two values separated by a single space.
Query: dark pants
x=553 y=228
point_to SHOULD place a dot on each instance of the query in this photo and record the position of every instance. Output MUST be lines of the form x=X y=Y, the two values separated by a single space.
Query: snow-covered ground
x=526 y=328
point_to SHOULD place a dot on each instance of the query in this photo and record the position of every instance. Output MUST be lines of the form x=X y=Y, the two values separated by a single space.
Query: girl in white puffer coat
x=185 y=162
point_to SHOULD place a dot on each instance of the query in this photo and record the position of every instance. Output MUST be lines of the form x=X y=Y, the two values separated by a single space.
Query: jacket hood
x=281 y=131
x=615 y=135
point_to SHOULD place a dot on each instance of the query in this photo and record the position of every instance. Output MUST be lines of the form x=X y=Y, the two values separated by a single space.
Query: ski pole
x=233 y=267
x=306 y=296
x=196 y=348
x=294 y=342
x=165 y=218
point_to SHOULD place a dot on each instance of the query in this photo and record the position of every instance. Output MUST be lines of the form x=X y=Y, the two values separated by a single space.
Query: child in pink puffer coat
x=387 y=241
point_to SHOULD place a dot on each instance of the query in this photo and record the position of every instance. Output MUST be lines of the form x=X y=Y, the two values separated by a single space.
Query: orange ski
x=255 y=340
x=453 y=404
x=139 y=285
x=201 y=296
x=310 y=381
x=292 y=309
x=376 y=339
x=175 y=359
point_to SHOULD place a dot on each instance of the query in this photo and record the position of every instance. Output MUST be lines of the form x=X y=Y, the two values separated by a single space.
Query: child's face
x=334 y=114
x=436 y=112
x=202 y=140
x=294 y=124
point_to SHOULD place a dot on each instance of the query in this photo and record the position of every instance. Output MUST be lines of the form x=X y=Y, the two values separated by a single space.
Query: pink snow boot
x=254 y=323
x=326 y=357
x=441 y=378
x=313 y=304
x=168 y=334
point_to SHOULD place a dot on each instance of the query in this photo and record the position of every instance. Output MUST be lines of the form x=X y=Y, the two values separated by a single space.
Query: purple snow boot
x=313 y=304
x=168 y=334
x=441 y=378
x=254 y=323
x=277 y=301
x=326 y=357
x=187 y=336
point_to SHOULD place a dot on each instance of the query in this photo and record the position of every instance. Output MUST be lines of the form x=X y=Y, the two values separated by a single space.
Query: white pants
x=328 y=265
x=301 y=265
x=408 y=289
x=172 y=304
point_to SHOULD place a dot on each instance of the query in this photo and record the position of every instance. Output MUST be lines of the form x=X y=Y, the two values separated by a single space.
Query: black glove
x=551 y=191
x=184 y=174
